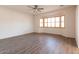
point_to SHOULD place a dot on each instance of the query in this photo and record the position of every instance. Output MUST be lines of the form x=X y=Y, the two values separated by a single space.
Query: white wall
x=68 y=31
x=77 y=25
x=13 y=23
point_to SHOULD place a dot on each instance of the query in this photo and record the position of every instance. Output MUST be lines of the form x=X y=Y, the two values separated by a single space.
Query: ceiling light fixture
x=36 y=9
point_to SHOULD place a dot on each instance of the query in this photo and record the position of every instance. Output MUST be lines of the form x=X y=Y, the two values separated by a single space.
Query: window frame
x=51 y=22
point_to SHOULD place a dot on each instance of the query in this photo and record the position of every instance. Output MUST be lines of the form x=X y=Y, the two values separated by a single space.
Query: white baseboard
x=14 y=35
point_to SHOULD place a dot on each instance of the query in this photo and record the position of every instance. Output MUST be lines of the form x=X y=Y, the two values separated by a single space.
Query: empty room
x=39 y=29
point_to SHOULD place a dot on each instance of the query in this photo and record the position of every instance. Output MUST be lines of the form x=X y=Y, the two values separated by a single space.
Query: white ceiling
x=25 y=9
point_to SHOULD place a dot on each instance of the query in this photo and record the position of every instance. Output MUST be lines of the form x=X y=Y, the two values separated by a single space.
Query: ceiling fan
x=35 y=8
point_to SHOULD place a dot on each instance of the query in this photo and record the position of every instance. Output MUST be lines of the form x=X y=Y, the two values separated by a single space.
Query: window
x=41 y=22
x=52 y=22
x=45 y=22
x=57 y=21
x=62 y=21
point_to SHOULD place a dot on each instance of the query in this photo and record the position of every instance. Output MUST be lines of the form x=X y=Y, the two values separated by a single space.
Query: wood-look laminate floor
x=38 y=44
